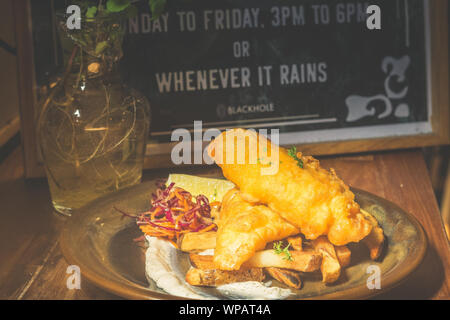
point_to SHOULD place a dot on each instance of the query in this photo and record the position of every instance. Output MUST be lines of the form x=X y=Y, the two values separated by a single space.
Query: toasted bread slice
x=212 y=278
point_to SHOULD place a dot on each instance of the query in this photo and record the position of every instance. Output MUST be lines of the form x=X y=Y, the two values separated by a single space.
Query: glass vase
x=92 y=128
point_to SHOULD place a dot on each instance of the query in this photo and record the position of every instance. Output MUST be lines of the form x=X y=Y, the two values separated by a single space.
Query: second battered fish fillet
x=311 y=198
x=244 y=228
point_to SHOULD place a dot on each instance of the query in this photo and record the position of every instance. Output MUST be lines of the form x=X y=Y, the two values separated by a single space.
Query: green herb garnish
x=279 y=250
x=292 y=152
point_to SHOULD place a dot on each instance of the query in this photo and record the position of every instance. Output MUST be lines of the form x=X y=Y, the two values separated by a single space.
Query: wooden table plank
x=402 y=179
x=36 y=269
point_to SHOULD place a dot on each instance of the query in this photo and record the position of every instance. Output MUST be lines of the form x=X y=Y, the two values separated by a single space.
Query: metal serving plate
x=100 y=241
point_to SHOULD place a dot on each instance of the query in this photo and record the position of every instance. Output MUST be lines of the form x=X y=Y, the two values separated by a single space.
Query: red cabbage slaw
x=175 y=211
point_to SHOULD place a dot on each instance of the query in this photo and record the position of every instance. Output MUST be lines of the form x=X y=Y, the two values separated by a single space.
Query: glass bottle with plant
x=92 y=128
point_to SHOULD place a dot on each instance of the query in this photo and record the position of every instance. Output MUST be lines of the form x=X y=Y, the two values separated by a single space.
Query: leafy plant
x=102 y=35
x=117 y=5
x=157 y=7
x=102 y=32
x=91 y=12
x=94 y=8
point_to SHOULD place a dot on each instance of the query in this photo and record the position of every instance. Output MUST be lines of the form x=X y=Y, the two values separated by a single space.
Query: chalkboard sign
x=315 y=71
x=311 y=69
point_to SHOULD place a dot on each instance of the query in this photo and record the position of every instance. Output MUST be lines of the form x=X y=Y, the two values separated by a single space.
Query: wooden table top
x=32 y=266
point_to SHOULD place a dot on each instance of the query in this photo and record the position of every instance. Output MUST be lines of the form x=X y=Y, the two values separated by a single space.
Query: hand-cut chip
x=296 y=243
x=330 y=268
x=305 y=261
x=212 y=278
x=203 y=262
x=344 y=255
x=288 y=277
x=375 y=240
x=197 y=241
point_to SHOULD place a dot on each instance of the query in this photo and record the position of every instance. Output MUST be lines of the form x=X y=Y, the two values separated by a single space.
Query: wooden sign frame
x=439 y=97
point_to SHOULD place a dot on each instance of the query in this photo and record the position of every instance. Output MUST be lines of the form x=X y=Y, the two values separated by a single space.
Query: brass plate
x=100 y=241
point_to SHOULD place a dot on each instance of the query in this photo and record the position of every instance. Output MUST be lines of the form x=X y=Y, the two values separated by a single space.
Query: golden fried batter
x=245 y=228
x=311 y=198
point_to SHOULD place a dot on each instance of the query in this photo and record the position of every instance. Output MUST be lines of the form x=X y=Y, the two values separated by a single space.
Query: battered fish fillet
x=311 y=198
x=244 y=228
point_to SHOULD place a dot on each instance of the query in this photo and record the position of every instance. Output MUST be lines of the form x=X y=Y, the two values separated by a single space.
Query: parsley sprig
x=292 y=152
x=279 y=250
